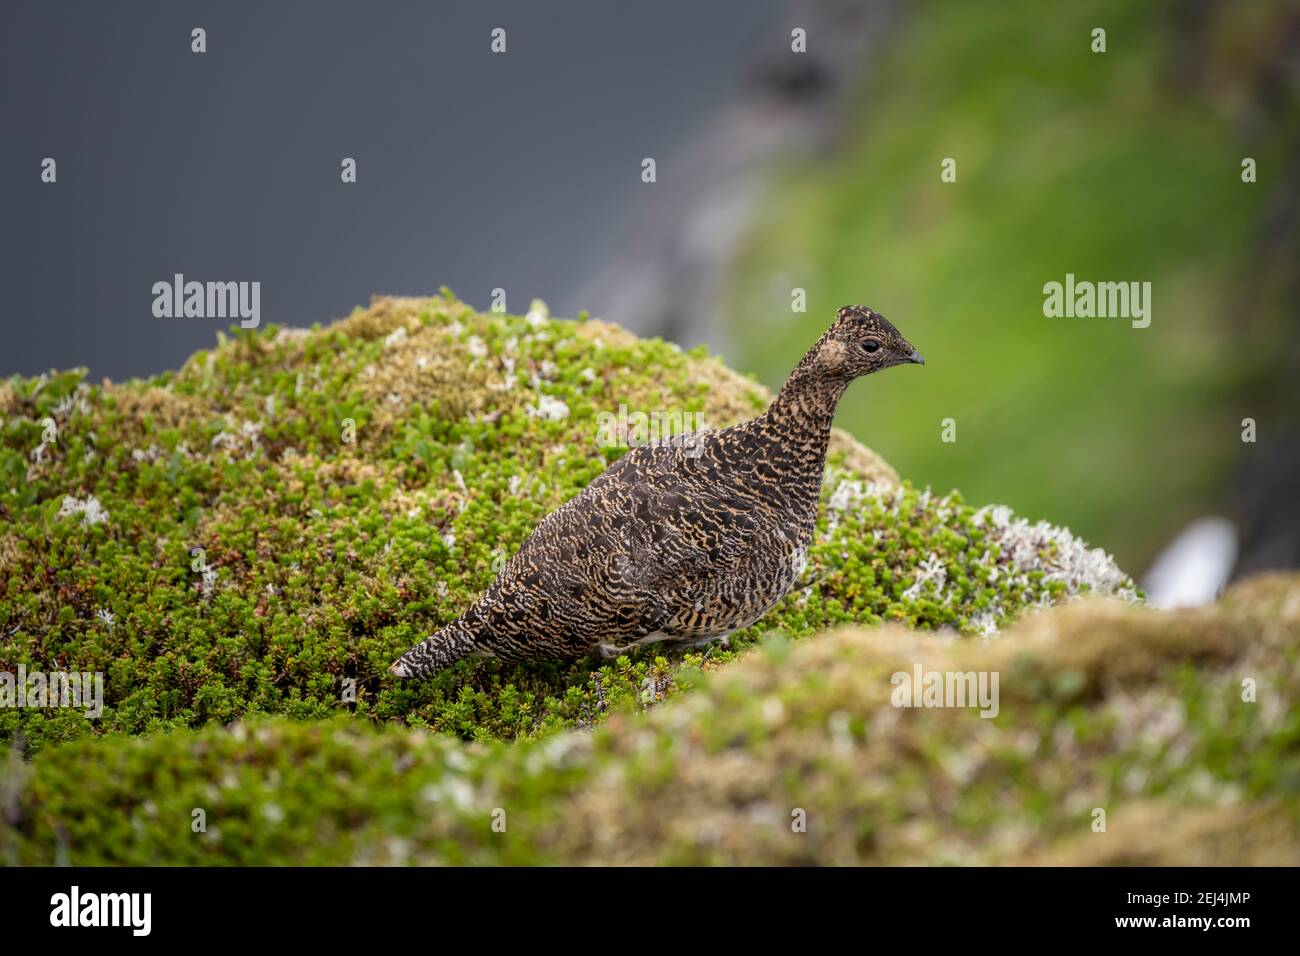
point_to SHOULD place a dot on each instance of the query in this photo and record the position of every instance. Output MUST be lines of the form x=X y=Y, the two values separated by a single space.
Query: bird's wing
x=619 y=556
x=672 y=524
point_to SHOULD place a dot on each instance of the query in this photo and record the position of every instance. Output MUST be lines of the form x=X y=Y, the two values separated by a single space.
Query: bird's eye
x=871 y=345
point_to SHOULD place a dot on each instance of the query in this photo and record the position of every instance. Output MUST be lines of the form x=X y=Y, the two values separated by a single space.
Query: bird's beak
x=398 y=668
x=916 y=357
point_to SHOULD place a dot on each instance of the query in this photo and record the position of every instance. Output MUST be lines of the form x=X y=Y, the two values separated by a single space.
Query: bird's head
x=861 y=342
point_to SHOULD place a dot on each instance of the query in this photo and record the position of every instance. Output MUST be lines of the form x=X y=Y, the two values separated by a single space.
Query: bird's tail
x=436 y=652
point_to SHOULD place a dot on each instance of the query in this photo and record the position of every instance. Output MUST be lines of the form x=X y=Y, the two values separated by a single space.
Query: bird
x=680 y=541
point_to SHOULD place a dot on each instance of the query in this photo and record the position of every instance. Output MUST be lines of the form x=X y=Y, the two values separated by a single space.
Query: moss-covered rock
x=265 y=530
x=793 y=754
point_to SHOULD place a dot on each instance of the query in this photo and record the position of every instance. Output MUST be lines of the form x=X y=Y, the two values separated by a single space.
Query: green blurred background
x=1117 y=166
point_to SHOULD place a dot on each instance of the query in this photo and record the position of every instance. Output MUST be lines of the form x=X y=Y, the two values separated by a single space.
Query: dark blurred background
x=475 y=170
x=776 y=170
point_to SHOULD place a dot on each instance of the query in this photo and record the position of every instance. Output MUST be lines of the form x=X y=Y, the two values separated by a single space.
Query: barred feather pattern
x=681 y=541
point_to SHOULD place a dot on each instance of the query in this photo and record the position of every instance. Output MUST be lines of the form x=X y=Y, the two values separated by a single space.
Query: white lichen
x=90 y=510
x=548 y=408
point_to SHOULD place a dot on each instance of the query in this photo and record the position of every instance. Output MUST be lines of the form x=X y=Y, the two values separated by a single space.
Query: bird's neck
x=806 y=404
x=797 y=432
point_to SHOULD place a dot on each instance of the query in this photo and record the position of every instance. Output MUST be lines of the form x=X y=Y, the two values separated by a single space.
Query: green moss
x=265 y=530
x=1135 y=712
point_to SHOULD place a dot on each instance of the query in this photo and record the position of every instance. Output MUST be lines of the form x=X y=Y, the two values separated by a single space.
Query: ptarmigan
x=681 y=541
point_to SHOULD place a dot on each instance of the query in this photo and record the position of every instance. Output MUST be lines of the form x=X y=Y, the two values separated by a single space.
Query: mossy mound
x=793 y=754
x=264 y=531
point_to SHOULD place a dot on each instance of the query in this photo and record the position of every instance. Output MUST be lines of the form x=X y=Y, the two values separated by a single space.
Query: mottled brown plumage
x=682 y=541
